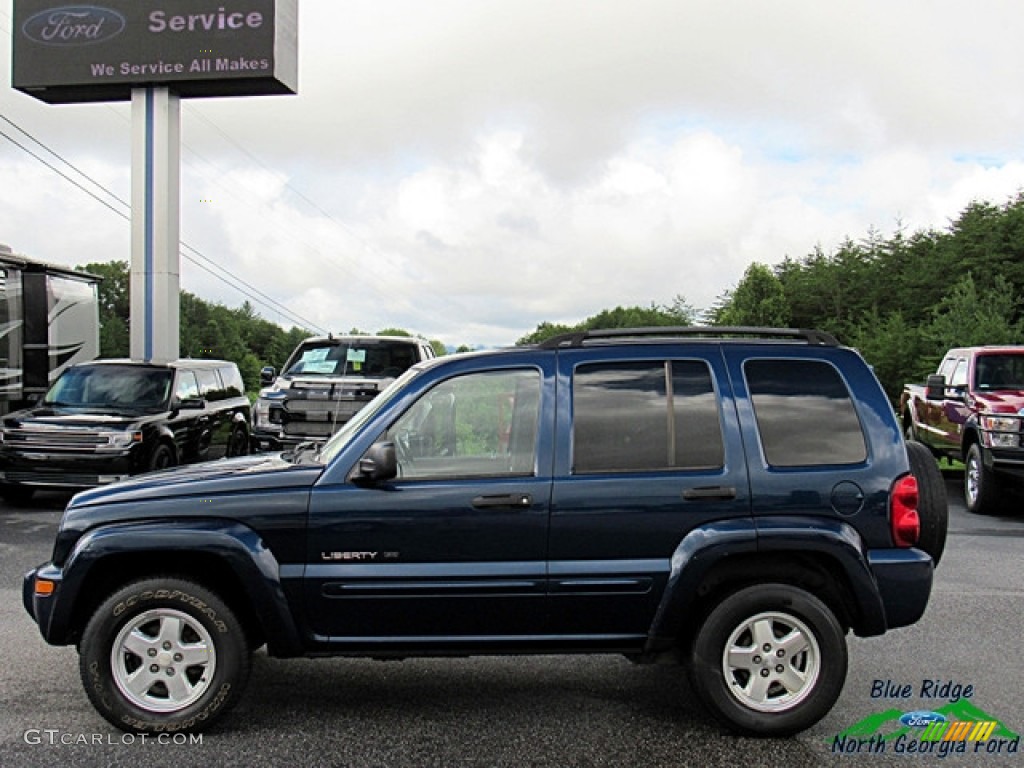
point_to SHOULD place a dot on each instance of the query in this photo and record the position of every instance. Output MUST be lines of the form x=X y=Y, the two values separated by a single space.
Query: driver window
x=186 y=388
x=959 y=378
x=478 y=425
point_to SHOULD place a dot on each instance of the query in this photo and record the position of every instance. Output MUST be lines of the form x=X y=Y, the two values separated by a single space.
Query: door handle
x=515 y=500
x=710 y=493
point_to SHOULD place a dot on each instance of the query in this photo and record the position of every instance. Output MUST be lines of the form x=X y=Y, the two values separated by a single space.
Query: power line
x=266 y=300
x=407 y=301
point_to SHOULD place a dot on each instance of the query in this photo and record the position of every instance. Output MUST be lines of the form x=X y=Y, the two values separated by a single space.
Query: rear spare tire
x=932 y=504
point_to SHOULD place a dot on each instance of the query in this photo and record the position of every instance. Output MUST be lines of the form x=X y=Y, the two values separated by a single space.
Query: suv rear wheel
x=163 y=655
x=769 y=660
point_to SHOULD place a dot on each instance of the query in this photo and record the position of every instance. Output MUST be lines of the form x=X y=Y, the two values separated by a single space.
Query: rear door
x=648 y=450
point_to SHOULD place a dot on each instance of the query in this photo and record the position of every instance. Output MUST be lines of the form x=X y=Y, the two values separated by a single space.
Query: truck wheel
x=162 y=458
x=162 y=656
x=981 y=486
x=238 y=443
x=769 y=660
x=932 y=505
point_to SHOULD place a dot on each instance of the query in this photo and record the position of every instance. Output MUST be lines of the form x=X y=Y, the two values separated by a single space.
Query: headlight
x=261 y=415
x=1004 y=431
x=122 y=439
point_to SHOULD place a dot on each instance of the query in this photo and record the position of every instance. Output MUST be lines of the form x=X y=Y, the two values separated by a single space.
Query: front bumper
x=41 y=607
x=68 y=470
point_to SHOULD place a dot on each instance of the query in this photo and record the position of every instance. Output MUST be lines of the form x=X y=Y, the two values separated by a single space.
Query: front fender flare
x=238 y=547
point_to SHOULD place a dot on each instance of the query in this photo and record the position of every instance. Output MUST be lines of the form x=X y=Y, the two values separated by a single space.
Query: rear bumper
x=904 y=579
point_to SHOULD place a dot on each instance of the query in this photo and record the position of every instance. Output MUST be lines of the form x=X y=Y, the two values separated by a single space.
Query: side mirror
x=267 y=376
x=378 y=464
x=935 y=387
x=191 y=404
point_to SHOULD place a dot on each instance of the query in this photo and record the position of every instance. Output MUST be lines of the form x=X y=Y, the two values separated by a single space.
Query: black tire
x=238 y=443
x=932 y=505
x=162 y=458
x=199 y=638
x=797 y=691
x=982 y=489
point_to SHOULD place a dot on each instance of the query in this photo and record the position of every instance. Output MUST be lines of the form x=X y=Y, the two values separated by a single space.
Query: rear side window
x=232 y=379
x=209 y=384
x=804 y=412
x=645 y=416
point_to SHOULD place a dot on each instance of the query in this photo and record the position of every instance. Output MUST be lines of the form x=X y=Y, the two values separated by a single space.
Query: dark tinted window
x=645 y=416
x=804 y=413
x=111 y=386
x=999 y=371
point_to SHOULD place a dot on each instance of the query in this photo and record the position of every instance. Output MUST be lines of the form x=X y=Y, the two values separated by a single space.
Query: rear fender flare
x=708 y=546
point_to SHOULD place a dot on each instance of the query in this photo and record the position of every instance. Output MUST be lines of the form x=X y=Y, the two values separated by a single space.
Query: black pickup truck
x=736 y=500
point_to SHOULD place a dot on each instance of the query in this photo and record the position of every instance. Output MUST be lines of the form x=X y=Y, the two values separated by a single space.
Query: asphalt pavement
x=532 y=711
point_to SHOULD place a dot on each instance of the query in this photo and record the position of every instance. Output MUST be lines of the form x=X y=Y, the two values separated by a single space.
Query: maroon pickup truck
x=972 y=410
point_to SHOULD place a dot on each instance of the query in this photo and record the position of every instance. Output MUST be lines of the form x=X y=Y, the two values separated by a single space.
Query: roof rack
x=580 y=338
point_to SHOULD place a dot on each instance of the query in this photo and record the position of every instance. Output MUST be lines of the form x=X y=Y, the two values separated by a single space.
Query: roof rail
x=579 y=338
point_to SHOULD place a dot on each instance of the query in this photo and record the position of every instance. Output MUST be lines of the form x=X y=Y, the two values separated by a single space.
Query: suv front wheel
x=769 y=660
x=163 y=656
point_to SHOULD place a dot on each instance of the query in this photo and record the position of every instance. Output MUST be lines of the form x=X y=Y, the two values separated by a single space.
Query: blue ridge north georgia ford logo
x=73 y=25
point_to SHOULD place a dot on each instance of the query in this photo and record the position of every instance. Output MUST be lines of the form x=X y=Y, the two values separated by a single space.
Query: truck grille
x=54 y=440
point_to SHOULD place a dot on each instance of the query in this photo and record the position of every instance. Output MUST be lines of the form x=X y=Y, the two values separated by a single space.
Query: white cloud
x=469 y=168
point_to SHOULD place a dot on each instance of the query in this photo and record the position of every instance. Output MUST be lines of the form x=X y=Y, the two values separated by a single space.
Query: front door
x=454 y=547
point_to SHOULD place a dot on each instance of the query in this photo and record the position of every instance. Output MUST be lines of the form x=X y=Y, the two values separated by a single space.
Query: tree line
x=901 y=300
x=207 y=330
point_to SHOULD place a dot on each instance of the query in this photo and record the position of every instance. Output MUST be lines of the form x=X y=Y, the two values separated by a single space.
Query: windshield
x=340 y=439
x=994 y=372
x=111 y=386
x=359 y=358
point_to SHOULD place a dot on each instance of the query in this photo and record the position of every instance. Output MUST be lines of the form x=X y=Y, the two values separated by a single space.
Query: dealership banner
x=73 y=52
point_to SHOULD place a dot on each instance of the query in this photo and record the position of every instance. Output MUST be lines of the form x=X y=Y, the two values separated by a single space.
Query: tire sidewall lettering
x=172 y=596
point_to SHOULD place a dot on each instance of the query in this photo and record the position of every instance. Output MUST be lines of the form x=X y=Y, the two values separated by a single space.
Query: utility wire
x=266 y=301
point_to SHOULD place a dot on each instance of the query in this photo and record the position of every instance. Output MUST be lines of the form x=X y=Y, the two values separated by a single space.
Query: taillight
x=903 y=517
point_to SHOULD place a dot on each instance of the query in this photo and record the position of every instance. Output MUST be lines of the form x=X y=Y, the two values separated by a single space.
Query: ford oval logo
x=921 y=718
x=74 y=25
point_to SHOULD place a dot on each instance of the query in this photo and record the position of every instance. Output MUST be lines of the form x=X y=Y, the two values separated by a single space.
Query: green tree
x=679 y=312
x=893 y=347
x=759 y=299
x=113 y=298
x=969 y=316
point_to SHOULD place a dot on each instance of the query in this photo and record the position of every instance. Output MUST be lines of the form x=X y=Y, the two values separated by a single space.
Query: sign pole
x=156 y=202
